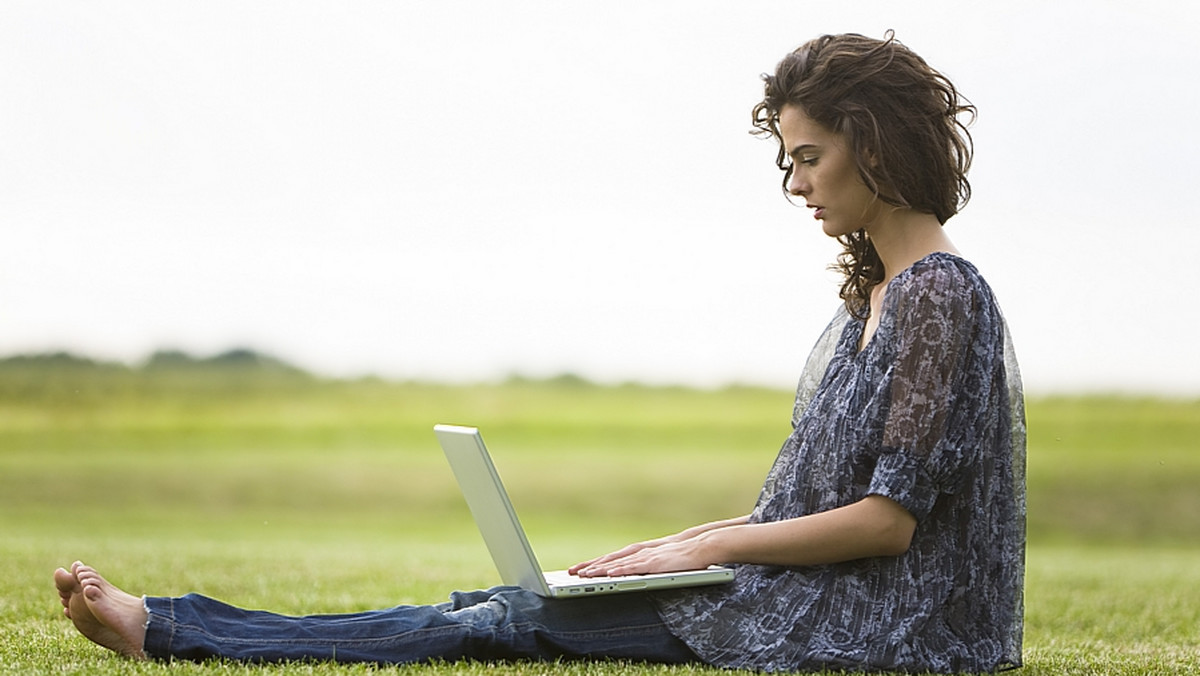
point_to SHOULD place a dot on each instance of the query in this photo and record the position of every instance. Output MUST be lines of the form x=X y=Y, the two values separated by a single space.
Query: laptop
x=506 y=541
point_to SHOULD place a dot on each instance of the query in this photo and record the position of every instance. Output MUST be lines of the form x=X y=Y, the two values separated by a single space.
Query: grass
x=306 y=496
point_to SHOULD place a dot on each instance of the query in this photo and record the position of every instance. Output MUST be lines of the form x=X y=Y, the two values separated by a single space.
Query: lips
x=819 y=212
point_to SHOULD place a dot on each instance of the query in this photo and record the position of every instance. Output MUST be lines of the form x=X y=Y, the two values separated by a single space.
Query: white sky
x=462 y=190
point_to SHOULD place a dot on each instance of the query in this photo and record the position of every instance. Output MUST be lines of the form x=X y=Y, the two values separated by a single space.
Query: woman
x=890 y=531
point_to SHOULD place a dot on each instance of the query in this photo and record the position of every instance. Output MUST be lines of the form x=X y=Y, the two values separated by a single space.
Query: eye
x=808 y=159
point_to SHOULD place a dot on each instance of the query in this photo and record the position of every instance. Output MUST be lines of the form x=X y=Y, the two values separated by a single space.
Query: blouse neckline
x=885 y=314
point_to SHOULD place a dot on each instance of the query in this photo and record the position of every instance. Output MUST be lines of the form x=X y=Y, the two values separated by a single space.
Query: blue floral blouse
x=930 y=414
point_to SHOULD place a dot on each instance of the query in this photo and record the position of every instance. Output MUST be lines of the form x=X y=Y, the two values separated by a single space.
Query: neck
x=904 y=236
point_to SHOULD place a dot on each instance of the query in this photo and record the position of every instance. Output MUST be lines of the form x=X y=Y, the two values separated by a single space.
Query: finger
x=602 y=567
x=596 y=569
x=574 y=570
x=607 y=558
x=593 y=568
x=633 y=564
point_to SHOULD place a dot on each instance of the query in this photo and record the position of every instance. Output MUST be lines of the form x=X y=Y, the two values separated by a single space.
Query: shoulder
x=943 y=277
x=946 y=291
x=941 y=269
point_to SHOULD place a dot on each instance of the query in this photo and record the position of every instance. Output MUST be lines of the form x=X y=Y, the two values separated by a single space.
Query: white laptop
x=505 y=539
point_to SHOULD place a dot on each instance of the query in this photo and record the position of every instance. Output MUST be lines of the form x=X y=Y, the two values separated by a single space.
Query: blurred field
x=273 y=489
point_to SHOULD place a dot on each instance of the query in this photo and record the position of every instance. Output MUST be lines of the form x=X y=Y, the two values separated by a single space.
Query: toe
x=88 y=577
x=67 y=585
x=65 y=581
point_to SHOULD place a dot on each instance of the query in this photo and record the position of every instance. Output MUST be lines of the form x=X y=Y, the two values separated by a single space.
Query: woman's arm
x=873 y=526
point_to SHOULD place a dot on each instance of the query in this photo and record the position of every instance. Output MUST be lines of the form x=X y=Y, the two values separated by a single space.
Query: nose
x=797 y=185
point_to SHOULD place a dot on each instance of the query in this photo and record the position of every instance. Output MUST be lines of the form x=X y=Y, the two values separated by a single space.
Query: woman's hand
x=601 y=561
x=663 y=555
x=681 y=551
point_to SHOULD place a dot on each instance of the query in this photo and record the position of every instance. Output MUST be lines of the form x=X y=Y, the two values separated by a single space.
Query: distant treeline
x=236 y=359
x=70 y=378
x=62 y=375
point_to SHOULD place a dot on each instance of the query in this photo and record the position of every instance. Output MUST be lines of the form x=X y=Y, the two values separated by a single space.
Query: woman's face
x=825 y=175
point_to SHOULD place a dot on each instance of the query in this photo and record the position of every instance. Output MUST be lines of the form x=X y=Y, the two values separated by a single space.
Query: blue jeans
x=503 y=623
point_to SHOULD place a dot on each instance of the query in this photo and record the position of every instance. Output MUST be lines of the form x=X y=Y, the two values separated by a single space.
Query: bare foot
x=101 y=612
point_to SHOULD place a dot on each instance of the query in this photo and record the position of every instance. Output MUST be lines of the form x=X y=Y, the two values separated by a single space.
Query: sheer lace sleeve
x=818 y=361
x=949 y=342
x=1016 y=404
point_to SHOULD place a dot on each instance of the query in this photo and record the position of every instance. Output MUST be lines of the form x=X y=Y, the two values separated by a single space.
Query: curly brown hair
x=901 y=120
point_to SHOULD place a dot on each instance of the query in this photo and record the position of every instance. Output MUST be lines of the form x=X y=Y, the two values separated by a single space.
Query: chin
x=832 y=229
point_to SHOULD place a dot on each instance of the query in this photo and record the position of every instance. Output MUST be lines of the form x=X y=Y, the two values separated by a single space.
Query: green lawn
x=305 y=496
